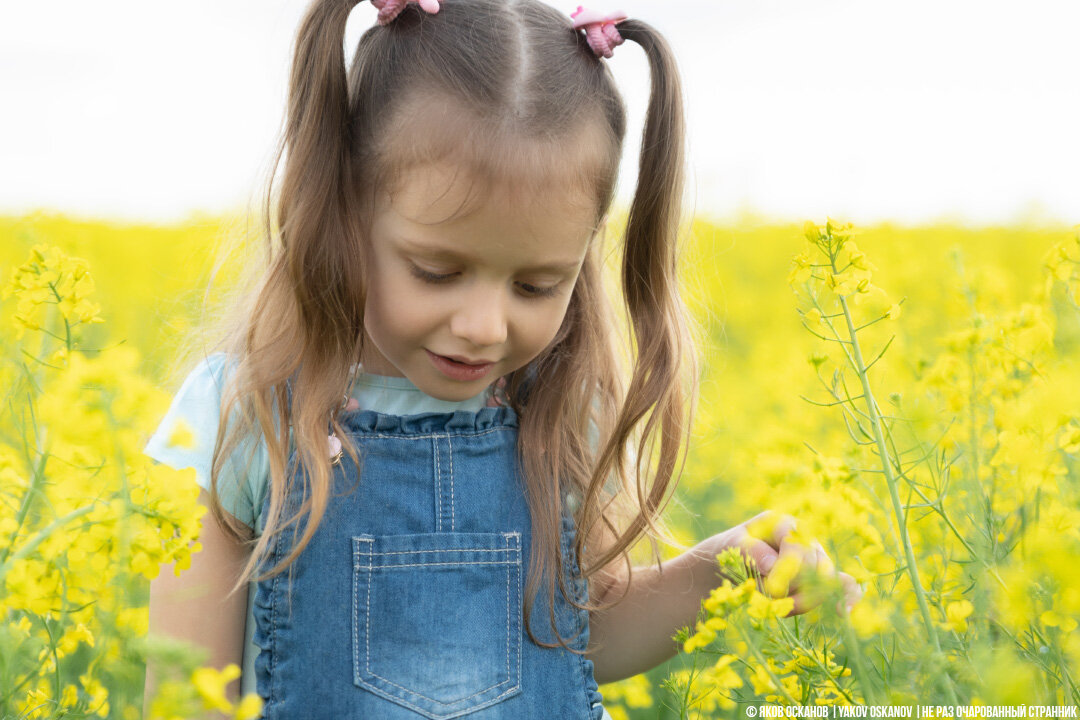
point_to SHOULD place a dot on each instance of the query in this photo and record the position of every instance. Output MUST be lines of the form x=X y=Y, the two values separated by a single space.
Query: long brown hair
x=521 y=100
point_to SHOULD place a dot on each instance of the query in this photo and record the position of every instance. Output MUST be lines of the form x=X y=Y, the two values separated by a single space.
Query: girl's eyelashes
x=429 y=276
x=532 y=291
x=538 y=292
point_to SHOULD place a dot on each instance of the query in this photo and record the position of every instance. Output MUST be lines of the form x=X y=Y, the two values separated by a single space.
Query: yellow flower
x=701 y=639
x=72 y=637
x=957 y=614
x=182 y=436
x=783 y=572
x=632 y=692
x=1070 y=440
x=249 y=707
x=843 y=284
x=867 y=619
x=763 y=608
x=721 y=596
x=801 y=269
x=761 y=681
x=98 y=694
x=832 y=469
x=1052 y=618
x=210 y=684
x=815 y=322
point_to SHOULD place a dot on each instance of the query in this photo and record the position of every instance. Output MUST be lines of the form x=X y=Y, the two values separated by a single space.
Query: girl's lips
x=457 y=370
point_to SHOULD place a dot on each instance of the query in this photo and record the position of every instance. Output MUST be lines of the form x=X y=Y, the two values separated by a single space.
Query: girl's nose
x=481 y=319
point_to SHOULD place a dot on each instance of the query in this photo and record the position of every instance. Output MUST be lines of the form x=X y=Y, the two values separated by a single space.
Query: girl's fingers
x=853 y=592
x=757 y=553
x=816 y=566
x=811 y=597
x=770 y=526
x=790 y=569
x=789 y=563
x=801 y=604
x=822 y=561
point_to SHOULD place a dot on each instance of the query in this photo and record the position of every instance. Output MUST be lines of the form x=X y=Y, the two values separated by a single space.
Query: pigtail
x=305 y=329
x=664 y=360
x=316 y=194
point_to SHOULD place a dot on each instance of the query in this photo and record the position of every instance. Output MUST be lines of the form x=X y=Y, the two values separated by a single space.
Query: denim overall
x=407 y=603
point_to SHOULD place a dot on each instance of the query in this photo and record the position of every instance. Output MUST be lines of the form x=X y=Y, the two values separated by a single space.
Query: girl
x=418 y=440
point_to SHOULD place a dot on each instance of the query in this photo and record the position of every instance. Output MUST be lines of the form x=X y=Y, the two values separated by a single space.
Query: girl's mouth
x=460 y=371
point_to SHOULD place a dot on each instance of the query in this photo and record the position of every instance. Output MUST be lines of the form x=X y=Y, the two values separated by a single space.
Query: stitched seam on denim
x=507 y=539
x=273 y=635
x=438 y=484
x=469 y=549
x=367 y=613
x=356 y=603
x=406 y=703
x=463 y=562
x=273 y=623
x=450 y=447
x=518 y=611
x=356 y=611
x=386 y=436
x=440 y=702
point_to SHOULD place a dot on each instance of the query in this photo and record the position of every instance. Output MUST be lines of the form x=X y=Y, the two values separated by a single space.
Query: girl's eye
x=539 y=292
x=531 y=291
x=429 y=276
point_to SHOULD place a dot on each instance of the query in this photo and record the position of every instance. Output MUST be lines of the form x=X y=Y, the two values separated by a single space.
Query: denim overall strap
x=407 y=602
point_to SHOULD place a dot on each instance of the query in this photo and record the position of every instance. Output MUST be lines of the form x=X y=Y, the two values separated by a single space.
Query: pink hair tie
x=600 y=29
x=390 y=9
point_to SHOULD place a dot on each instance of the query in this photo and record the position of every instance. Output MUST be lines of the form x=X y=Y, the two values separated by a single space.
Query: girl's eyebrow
x=447 y=253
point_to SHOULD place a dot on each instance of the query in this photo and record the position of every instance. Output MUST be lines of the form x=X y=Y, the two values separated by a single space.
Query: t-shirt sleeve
x=186 y=435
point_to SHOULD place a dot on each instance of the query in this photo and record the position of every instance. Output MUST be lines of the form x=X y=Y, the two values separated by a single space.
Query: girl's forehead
x=437 y=209
x=445 y=192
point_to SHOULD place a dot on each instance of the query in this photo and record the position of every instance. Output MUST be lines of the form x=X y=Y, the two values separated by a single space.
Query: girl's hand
x=789 y=567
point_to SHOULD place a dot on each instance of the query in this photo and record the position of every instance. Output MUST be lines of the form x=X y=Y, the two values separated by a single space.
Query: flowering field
x=911 y=395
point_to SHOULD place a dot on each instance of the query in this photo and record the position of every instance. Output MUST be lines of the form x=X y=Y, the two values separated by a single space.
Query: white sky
x=860 y=110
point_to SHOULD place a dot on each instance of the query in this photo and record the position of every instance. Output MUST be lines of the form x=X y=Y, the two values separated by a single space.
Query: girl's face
x=491 y=286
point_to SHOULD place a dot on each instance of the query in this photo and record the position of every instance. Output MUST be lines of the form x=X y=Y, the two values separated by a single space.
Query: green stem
x=894 y=495
x=40 y=537
x=939 y=507
x=792 y=640
x=764 y=664
x=869 y=688
x=28 y=498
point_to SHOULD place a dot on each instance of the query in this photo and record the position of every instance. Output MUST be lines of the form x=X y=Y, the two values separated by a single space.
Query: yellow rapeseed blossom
x=249 y=708
x=957 y=614
x=1069 y=441
x=181 y=436
x=1053 y=618
x=51 y=278
x=84 y=515
x=210 y=684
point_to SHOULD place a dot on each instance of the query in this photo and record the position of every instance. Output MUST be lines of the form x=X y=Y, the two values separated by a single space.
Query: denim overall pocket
x=437 y=619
